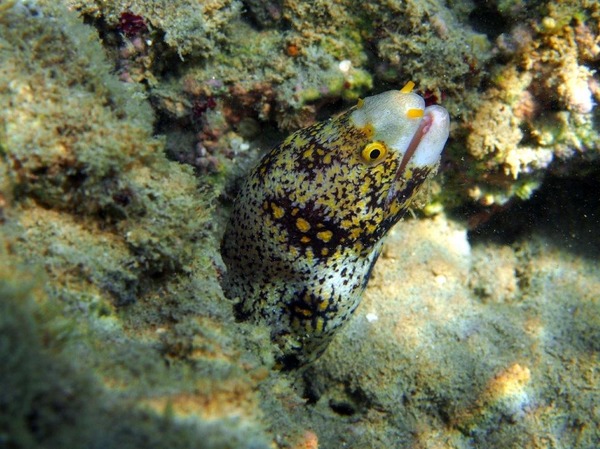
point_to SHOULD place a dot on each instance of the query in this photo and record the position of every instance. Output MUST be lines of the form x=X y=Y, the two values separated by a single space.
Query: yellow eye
x=374 y=152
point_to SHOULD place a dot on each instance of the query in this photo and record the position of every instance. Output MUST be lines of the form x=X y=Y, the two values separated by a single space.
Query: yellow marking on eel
x=278 y=212
x=325 y=236
x=368 y=130
x=302 y=224
x=408 y=87
x=415 y=113
x=320 y=324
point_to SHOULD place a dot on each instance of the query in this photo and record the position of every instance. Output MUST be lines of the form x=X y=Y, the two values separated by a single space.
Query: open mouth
x=401 y=121
x=425 y=146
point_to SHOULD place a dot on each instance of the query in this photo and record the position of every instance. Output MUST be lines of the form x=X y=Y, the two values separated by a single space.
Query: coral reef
x=186 y=26
x=124 y=127
x=430 y=350
x=541 y=105
x=280 y=62
x=104 y=259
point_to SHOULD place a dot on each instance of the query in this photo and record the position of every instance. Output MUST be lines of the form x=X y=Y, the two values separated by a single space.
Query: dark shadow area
x=49 y=401
x=486 y=19
x=565 y=210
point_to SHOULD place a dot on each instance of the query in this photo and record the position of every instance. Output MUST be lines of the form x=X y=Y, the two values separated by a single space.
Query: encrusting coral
x=541 y=107
x=103 y=259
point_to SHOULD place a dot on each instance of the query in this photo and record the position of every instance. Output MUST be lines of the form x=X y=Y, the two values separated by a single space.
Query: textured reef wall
x=124 y=127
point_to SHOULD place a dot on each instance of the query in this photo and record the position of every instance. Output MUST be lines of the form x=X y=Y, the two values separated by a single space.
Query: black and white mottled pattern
x=308 y=222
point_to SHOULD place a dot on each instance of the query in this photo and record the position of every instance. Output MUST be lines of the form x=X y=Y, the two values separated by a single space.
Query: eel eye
x=374 y=152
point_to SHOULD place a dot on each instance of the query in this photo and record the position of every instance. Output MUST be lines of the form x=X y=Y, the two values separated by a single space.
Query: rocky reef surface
x=124 y=128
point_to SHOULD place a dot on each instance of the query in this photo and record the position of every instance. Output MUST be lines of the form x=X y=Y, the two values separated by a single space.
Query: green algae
x=113 y=234
x=187 y=27
x=82 y=142
x=49 y=398
x=279 y=62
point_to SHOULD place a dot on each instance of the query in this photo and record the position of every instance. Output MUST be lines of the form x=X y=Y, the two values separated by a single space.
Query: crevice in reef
x=562 y=210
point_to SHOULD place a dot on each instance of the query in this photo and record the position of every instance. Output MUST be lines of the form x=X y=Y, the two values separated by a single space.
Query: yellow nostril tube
x=414 y=113
x=408 y=87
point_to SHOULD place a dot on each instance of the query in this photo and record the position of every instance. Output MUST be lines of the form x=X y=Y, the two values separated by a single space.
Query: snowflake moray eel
x=308 y=222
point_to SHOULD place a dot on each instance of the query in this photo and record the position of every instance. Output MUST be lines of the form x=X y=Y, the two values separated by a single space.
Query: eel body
x=308 y=222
